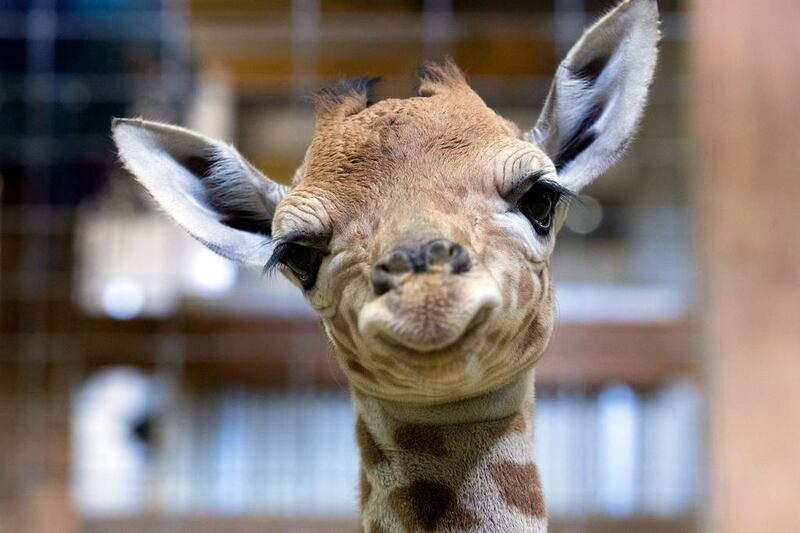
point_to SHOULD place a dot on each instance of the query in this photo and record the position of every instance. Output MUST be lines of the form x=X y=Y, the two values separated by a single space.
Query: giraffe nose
x=436 y=255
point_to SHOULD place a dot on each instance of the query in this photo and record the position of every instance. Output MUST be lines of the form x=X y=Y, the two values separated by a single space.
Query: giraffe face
x=421 y=230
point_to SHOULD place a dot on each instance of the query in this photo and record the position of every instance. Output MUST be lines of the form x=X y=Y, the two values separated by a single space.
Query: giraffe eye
x=303 y=261
x=538 y=205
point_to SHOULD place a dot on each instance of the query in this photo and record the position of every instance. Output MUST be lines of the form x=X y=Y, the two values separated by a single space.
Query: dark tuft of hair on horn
x=433 y=77
x=347 y=97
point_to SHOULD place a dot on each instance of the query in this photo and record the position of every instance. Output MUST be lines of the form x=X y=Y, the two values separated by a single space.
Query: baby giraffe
x=420 y=230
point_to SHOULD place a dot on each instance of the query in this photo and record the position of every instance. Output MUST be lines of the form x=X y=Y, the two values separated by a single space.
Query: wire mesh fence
x=141 y=376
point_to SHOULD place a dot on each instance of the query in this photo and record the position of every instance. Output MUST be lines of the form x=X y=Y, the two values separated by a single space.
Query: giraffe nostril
x=384 y=274
x=437 y=253
x=459 y=259
x=382 y=281
x=449 y=257
x=448 y=254
x=398 y=262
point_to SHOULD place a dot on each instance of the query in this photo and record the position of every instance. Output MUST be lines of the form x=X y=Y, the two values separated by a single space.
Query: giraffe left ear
x=599 y=93
x=205 y=185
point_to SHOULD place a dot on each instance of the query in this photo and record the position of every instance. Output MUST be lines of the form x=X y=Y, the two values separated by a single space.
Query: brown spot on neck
x=510 y=424
x=421 y=439
x=371 y=453
x=520 y=486
x=429 y=505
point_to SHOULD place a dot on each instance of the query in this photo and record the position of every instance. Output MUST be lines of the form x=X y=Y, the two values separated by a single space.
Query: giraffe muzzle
x=431 y=311
x=440 y=256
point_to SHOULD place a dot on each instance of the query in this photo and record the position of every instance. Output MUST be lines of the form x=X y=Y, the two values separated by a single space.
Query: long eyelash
x=564 y=194
x=279 y=252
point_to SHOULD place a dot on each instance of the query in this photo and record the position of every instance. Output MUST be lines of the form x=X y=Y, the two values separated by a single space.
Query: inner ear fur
x=205 y=185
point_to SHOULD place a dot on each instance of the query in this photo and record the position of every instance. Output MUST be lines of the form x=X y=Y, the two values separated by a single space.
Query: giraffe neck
x=462 y=466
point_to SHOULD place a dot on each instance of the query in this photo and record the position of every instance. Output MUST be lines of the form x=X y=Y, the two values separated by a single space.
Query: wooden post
x=746 y=62
x=34 y=394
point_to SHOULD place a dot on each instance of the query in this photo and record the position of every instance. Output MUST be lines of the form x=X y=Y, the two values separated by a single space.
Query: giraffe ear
x=206 y=186
x=599 y=92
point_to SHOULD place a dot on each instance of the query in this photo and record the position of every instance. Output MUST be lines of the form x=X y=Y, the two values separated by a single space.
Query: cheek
x=346 y=292
x=521 y=287
x=528 y=289
x=344 y=289
x=341 y=281
x=320 y=297
x=516 y=259
x=519 y=261
x=514 y=232
x=524 y=327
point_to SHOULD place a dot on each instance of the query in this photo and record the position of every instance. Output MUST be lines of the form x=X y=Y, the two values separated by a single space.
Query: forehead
x=404 y=145
x=404 y=130
x=425 y=117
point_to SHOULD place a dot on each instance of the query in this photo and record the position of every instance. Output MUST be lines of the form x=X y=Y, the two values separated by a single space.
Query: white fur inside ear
x=225 y=203
x=599 y=93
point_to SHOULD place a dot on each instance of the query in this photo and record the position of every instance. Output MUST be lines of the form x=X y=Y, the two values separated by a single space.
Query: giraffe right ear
x=599 y=93
x=206 y=186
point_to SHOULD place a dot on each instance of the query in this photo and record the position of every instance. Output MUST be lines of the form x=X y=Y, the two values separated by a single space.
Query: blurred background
x=147 y=385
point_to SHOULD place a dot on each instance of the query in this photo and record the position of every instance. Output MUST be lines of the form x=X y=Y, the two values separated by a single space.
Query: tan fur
x=401 y=172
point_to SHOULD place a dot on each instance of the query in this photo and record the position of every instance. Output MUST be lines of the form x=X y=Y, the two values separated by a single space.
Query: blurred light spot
x=585 y=216
x=618 y=409
x=109 y=470
x=210 y=274
x=122 y=299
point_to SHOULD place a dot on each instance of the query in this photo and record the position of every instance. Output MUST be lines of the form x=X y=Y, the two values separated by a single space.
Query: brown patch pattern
x=371 y=453
x=519 y=484
x=524 y=291
x=428 y=505
x=537 y=335
x=421 y=439
x=511 y=424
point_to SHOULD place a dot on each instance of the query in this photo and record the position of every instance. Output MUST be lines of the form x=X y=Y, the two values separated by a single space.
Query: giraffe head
x=419 y=229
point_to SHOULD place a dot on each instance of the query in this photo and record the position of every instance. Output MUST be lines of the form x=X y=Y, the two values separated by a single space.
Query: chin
x=468 y=368
x=432 y=352
x=447 y=374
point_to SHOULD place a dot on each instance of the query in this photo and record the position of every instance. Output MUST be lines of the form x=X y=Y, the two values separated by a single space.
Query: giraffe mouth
x=415 y=348
x=433 y=321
